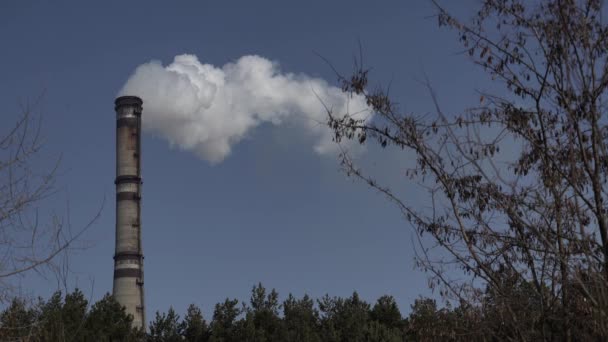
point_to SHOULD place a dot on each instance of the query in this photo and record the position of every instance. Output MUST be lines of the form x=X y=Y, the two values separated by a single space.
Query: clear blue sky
x=274 y=211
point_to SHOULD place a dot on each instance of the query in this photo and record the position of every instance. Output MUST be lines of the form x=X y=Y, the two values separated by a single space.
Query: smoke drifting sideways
x=208 y=109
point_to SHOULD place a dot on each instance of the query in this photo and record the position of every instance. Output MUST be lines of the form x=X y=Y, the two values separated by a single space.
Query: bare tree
x=537 y=220
x=31 y=239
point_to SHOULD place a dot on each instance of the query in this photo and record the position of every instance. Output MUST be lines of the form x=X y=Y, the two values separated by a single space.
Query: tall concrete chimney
x=128 y=258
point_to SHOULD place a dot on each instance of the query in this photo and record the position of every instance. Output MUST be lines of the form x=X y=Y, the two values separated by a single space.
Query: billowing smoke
x=209 y=109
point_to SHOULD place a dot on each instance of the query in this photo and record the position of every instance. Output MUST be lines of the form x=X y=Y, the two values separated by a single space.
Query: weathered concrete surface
x=128 y=258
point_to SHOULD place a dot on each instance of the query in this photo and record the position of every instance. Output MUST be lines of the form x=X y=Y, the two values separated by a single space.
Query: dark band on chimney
x=127 y=179
x=128 y=273
x=128 y=256
x=127 y=196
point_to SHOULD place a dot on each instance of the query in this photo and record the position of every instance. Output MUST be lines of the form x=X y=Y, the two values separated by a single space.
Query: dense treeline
x=265 y=318
x=67 y=318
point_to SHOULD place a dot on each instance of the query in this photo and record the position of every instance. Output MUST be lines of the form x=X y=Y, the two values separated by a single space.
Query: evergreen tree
x=18 y=322
x=108 y=321
x=73 y=314
x=387 y=313
x=377 y=332
x=67 y=319
x=51 y=320
x=344 y=319
x=301 y=319
x=224 y=327
x=166 y=327
x=194 y=327
x=262 y=320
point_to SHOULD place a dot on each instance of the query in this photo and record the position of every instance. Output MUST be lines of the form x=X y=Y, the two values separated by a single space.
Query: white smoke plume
x=209 y=109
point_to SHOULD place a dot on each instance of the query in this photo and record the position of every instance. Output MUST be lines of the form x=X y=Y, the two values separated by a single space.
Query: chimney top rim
x=128 y=101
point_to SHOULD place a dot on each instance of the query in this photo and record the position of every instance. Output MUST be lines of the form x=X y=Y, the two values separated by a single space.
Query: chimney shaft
x=128 y=287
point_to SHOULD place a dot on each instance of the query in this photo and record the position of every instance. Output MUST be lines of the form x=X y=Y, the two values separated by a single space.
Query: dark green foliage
x=67 y=319
x=426 y=322
x=262 y=322
x=194 y=327
x=51 y=319
x=387 y=313
x=108 y=321
x=328 y=319
x=293 y=320
x=74 y=312
x=223 y=326
x=377 y=332
x=18 y=321
x=166 y=327
x=344 y=319
x=301 y=319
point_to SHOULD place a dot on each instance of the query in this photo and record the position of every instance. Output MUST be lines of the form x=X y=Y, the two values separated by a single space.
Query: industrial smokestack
x=128 y=258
